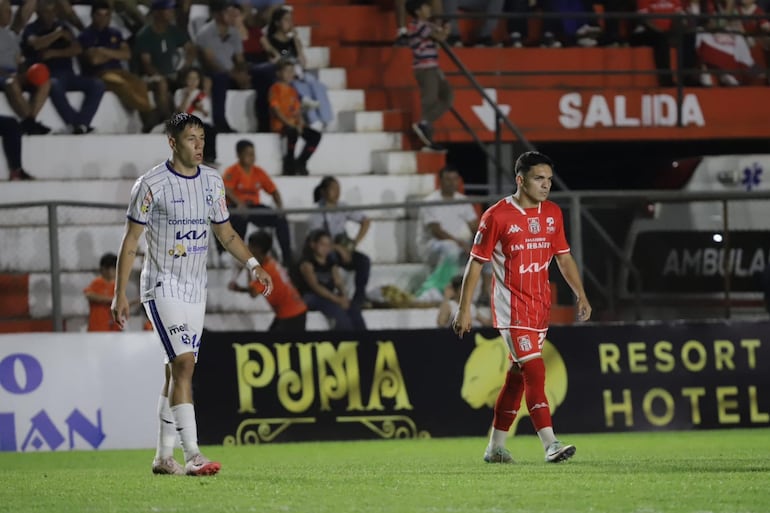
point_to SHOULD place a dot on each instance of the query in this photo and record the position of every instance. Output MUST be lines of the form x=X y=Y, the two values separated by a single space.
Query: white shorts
x=179 y=325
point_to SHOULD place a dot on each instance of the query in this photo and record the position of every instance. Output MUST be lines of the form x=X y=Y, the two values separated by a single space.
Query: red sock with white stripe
x=506 y=407
x=537 y=403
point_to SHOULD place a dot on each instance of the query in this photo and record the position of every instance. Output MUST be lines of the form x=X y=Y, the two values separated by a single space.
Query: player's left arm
x=233 y=243
x=568 y=268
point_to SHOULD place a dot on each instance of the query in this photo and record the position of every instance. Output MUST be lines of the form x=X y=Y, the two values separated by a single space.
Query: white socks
x=166 y=430
x=498 y=438
x=546 y=436
x=184 y=416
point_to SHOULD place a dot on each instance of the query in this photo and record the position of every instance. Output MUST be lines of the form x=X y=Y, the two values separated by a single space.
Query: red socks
x=508 y=400
x=533 y=372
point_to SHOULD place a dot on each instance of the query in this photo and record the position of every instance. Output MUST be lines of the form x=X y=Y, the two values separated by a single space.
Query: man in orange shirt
x=243 y=182
x=290 y=310
x=287 y=120
x=99 y=294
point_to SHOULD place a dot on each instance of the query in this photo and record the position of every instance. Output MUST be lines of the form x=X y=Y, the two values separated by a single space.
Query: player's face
x=536 y=184
x=188 y=147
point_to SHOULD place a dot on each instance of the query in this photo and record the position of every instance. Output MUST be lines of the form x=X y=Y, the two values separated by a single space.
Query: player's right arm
x=128 y=249
x=463 y=319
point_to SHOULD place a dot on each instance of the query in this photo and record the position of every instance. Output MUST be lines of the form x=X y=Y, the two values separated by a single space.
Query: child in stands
x=286 y=114
x=99 y=294
x=435 y=92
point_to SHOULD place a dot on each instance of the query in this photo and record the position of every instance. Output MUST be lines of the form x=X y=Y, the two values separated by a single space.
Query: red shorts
x=523 y=344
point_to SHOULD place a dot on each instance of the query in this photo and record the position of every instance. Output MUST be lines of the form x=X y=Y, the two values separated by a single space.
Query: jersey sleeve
x=560 y=245
x=219 y=213
x=267 y=183
x=486 y=237
x=140 y=203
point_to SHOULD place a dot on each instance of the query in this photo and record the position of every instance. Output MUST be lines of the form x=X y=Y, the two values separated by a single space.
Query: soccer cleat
x=557 y=452
x=167 y=466
x=199 y=465
x=497 y=455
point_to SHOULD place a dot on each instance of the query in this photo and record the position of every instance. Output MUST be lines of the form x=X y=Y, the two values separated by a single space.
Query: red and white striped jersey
x=520 y=243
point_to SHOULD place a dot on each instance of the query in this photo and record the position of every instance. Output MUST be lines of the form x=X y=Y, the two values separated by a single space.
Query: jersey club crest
x=534 y=225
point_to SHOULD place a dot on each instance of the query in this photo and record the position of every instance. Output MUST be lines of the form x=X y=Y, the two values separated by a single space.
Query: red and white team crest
x=524 y=343
x=534 y=225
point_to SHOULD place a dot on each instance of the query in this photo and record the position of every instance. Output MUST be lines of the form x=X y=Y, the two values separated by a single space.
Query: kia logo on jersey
x=534 y=225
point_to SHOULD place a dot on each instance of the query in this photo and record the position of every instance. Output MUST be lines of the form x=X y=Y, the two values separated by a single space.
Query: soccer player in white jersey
x=177 y=204
x=520 y=235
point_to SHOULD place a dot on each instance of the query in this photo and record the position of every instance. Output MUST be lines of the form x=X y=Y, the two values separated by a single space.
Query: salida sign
x=614 y=114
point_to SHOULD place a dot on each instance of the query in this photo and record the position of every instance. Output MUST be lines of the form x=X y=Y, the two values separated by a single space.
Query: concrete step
x=56 y=157
x=372 y=121
x=333 y=78
x=405 y=162
x=317 y=57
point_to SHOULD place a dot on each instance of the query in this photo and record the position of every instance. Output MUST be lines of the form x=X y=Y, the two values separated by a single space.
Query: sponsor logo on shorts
x=177 y=328
x=524 y=343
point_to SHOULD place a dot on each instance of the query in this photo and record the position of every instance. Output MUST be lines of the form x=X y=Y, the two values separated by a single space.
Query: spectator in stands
x=287 y=120
x=573 y=29
x=445 y=232
x=244 y=181
x=402 y=34
x=281 y=42
x=344 y=252
x=290 y=310
x=128 y=10
x=249 y=27
x=104 y=54
x=10 y=132
x=518 y=28
x=221 y=53
x=435 y=92
x=157 y=47
x=65 y=11
x=192 y=99
x=722 y=45
x=320 y=281
x=491 y=8
x=616 y=31
x=264 y=8
x=99 y=294
x=13 y=80
x=660 y=33
x=50 y=41
x=449 y=305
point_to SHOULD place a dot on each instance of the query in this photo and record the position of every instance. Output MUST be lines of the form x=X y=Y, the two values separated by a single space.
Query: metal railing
x=577 y=203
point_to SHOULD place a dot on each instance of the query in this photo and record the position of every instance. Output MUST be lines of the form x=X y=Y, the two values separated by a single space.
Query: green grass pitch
x=705 y=471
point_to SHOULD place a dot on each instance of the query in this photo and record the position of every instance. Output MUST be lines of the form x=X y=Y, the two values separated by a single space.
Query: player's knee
x=182 y=366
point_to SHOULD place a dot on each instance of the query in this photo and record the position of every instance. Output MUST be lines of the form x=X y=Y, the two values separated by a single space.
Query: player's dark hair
x=176 y=124
x=321 y=188
x=313 y=237
x=275 y=20
x=108 y=260
x=99 y=5
x=242 y=145
x=447 y=169
x=412 y=6
x=530 y=159
x=262 y=240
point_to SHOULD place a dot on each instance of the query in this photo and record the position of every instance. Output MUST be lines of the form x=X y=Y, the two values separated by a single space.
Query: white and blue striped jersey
x=177 y=211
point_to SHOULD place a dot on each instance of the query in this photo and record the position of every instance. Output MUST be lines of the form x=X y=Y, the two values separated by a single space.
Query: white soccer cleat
x=167 y=466
x=557 y=452
x=199 y=465
x=497 y=455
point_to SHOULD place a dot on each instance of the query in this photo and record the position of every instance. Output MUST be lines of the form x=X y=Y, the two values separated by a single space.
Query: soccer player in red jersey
x=520 y=235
